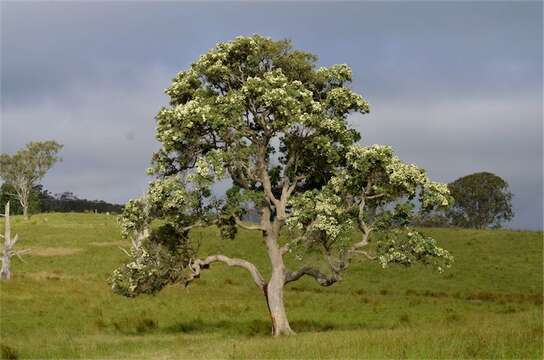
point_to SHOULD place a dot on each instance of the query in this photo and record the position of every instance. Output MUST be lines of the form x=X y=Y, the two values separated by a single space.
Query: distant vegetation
x=482 y=200
x=24 y=169
x=68 y=202
x=41 y=200
x=21 y=173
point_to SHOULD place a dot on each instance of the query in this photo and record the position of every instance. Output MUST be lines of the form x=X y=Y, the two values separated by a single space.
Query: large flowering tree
x=261 y=114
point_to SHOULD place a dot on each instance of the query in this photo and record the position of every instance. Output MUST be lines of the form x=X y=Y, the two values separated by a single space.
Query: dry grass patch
x=54 y=251
x=45 y=275
x=109 y=243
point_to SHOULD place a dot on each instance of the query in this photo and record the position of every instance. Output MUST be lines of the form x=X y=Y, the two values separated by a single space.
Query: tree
x=26 y=167
x=8 y=193
x=435 y=219
x=481 y=199
x=261 y=114
x=9 y=242
x=69 y=202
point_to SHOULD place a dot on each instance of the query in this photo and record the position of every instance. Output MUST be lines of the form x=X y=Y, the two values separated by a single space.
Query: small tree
x=7 y=249
x=8 y=193
x=26 y=167
x=481 y=199
x=261 y=114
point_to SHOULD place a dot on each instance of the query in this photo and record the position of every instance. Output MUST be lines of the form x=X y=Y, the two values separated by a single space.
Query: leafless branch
x=199 y=264
x=21 y=252
x=321 y=278
x=246 y=225
x=365 y=253
x=125 y=251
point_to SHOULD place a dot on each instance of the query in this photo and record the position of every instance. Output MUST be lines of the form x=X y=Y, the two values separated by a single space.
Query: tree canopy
x=264 y=116
x=27 y=166
x=481 y=199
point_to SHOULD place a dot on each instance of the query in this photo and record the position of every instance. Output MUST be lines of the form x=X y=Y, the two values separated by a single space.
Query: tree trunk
x=5 y=274
x=274 y=299
x=23 y=200
x=274 y=288
x=25 y=212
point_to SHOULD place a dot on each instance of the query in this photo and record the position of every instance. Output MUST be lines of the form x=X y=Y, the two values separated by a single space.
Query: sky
x=455 y=87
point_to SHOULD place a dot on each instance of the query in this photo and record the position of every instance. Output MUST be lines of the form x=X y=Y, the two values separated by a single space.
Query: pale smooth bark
x=139 y=237
x=6 y=273
x=274 y=288
x=321 y=278
x=23 y=188
x=25 y=212
x=199 y=264
x=9 y=242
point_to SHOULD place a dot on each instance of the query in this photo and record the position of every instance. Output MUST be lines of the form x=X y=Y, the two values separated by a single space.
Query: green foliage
x=158 y=261
x=265 y=116
x=481 y=200
x=68 y=202
x=27 y=166
x=431 y=219
x=134 y=218
x=30 y=163
x=407 y=249
x=240 y=94
x=374 y=192
x=225 y=112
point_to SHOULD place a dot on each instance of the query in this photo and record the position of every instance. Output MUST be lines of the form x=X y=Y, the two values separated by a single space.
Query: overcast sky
x=454 y=87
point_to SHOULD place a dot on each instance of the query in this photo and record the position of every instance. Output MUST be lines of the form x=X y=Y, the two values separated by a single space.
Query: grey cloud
x=466 y=135
x=454 y=87
x=107 y=131
x=393 y=47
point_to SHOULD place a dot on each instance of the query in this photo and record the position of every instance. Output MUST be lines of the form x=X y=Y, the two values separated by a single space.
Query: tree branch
x=199 y=224
x=366 y=254
x=262 y=169
x=321 y=278
x=199 y=264
x=18 y=253
x=284 y=249
x=246 y=225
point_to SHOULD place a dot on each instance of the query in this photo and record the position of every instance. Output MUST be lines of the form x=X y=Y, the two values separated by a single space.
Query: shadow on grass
x=130 y=325
x=253 y=327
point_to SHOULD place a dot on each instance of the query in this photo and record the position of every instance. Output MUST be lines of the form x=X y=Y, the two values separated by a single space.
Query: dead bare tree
x=9 y=242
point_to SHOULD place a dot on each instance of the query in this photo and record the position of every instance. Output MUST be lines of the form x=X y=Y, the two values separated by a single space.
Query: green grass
x=59 y=305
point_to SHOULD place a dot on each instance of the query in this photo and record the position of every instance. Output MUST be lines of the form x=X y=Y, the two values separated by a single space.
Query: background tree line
x=482 y=200
x=21 y=173
x=41 y=200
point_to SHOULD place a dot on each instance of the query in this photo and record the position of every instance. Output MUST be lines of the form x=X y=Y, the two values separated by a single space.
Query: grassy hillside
x=59 y=305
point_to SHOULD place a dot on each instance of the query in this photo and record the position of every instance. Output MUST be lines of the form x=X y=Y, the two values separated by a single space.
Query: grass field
x=59 y=305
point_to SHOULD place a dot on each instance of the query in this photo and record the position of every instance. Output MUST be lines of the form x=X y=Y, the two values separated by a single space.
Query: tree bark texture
x=5 y=274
